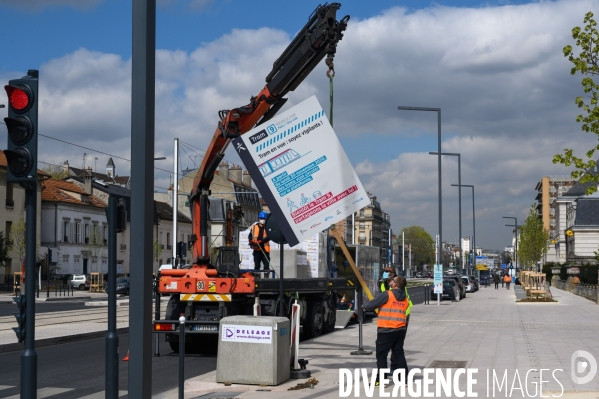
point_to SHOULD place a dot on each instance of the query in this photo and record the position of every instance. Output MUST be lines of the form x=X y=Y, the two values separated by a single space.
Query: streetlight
x=515 y=225
x=438 y=111
x=473 y=221
x=459 y=198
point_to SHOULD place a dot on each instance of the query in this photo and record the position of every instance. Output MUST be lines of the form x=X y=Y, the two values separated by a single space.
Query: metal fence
x=585 y=290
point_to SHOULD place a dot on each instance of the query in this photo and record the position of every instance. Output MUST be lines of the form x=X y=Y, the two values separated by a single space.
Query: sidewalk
x=488 y=330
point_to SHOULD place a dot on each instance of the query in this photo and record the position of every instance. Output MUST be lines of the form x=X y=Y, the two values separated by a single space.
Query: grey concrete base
x=297 y=374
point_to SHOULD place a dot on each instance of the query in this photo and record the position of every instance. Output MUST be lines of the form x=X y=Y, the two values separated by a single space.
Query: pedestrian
x=259 y=241
x=502 y=280
x=391 y=323
x=388 y=275
x=496 y=280
x=507 y=280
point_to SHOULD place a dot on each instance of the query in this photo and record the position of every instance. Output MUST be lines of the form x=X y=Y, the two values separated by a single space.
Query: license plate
x=445 y=294
x=205 y=328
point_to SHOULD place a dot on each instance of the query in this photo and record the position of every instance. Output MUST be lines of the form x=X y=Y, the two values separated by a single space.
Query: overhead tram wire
x=60 y=166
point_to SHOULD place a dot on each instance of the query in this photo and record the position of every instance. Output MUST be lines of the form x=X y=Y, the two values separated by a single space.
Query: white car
x=467 y=284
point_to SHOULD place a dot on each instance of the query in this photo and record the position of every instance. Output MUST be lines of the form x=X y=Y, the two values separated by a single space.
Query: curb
x=61 y=340
x=56 y=299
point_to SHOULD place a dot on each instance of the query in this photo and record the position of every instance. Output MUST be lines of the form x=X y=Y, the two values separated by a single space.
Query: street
x=78 y=368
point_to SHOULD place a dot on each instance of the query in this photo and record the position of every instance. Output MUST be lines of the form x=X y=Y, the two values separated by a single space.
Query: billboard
x=301 y=171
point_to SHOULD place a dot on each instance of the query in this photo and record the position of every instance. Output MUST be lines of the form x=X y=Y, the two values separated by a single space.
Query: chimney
x=87 y=181
x=247 y=179
x=235 y=173
x=170 y=196
x=223 y=170
x=65 y=166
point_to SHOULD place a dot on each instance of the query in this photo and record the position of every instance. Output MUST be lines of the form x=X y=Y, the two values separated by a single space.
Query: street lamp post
x=459 y=198
x=515 y=225
x=460 y=185
x=438 y=111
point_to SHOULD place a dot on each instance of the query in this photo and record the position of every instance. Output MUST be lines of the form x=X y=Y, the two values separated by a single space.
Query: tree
x=156 y=250
x=532 y=244
x=95 y=245
x=587 y=63
x=5 y=248
x=17 y=237
x=57 y=172
x=423 y=245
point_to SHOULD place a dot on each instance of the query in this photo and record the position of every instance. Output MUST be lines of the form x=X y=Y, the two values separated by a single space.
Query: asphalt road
x=80 y=367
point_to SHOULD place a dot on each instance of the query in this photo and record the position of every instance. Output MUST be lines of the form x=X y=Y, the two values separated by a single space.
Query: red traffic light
x=20 y=98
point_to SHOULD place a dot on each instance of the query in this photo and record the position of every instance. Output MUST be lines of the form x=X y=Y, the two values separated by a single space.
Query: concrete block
x=292 y=258
x=253 y=350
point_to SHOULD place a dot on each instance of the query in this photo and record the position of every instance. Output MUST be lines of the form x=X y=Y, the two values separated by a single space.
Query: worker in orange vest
x=259 y=242
x=391 y=322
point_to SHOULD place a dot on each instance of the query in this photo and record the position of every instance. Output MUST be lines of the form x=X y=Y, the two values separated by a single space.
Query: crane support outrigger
x=317 y=40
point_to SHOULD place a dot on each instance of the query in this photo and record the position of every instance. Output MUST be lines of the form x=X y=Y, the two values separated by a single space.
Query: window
x=65 y=259
x=10 y=202
x=362 y=226
x=7 y=231
x=361 y=213
x=66 y=229
x=105 y=234
x=160 y=237
x=160 y=262
x=87 y=226
x=78 y=233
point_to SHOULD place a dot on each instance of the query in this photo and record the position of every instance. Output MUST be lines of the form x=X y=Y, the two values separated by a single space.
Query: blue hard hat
x=262 y=215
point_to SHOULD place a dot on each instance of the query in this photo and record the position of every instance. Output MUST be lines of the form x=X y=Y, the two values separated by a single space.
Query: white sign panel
x=438 y=279
x=302 y=171
x=251 y=334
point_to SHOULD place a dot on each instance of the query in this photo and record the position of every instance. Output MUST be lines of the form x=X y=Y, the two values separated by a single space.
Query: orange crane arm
x=318 y=38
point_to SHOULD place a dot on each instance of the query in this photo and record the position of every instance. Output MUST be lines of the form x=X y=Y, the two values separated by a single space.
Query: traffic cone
x=126 y=358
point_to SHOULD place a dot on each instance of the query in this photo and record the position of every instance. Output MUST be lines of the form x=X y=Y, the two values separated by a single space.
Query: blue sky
x=495 y=68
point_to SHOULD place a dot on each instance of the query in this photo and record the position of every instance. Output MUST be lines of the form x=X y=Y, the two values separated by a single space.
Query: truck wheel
x=174 y=308
x=314 y=319
x=329 y=324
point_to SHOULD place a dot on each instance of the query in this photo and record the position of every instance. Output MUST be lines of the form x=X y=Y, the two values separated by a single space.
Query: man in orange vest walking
x=259 y=242
x=391 y=321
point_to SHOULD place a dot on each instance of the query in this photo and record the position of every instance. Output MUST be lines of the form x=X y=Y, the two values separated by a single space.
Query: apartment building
x=549 y=188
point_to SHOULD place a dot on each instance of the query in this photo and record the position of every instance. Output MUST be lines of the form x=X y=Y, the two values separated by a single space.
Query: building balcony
x=123 y=247
x=10 y=203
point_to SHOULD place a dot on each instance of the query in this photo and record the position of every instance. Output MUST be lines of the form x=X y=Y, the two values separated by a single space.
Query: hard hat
x=262 y=215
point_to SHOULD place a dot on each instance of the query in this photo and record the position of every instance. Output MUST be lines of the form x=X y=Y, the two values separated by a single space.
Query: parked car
x=474 y=280
x=429 y=275
x=78 y=281
x=419 y=275
x=468 y=284
x=450 y=290
x=122 y=285
x=460 y=285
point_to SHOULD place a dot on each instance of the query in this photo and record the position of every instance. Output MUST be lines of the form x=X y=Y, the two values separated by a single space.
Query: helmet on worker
x=262 y=217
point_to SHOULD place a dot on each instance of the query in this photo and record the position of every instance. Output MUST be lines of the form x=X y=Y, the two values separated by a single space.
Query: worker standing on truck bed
x=259 y=242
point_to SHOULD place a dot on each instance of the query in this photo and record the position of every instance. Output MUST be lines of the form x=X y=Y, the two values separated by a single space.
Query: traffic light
x=121 y=217
x=21 y=152
x=181 y=249
x=20 y=316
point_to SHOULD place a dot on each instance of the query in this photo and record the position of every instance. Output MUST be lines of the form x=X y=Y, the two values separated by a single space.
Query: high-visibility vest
x=393 y=313
x=255 y=231
x=410 y=304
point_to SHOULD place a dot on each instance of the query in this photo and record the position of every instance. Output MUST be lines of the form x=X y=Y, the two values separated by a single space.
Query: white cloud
x=498 y=74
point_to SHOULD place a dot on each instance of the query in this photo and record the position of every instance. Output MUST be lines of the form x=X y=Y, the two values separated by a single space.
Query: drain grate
x=219 y=395
x=448 y=364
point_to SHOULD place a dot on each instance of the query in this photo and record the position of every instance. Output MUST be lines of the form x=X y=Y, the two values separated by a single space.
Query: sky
x=495 y=68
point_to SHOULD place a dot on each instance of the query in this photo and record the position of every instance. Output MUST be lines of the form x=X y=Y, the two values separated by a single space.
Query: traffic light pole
x=29 y=356
x=112 y=339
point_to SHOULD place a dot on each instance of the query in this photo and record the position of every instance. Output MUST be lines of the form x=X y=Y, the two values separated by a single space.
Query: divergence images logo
x=261 y=135
x=229 y=333
x=578 y=367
